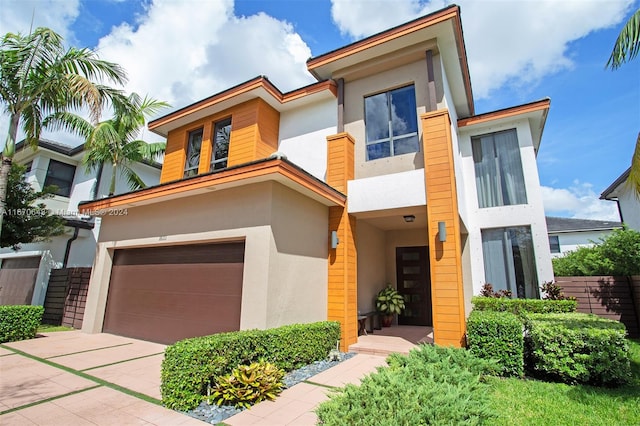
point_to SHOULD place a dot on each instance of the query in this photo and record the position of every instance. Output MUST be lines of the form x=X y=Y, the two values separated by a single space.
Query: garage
x=165 y=294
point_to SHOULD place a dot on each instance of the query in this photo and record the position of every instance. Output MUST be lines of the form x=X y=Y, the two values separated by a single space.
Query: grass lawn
x=48 y=328
x=533 y=402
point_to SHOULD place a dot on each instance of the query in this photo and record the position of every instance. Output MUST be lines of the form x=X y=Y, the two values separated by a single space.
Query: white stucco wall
x=630 y=208
x=570 y=241
x=530 y=214
x=303 y=135
x=404 y=189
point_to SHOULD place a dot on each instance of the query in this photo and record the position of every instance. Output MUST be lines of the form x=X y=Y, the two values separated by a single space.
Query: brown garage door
x=165 y=294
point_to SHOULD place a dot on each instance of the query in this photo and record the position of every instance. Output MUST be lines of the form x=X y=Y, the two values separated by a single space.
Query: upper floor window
x=499 y=177
x=220 y=142
x=193 y=153
x=61 y=175
x=391 y=123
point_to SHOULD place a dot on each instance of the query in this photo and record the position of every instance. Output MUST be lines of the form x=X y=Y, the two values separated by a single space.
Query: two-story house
x=277 y=208
x=24 y=274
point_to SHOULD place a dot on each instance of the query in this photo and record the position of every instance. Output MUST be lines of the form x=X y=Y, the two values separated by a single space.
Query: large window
x=193 y=153
x=509 y=261
x=499 y=177
x=60 y=175
x=220 y=148
x=392 y=123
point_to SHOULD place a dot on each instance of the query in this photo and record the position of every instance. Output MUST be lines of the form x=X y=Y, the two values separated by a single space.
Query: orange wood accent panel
x=254 y=136
x=342 y=303
x=442 y=206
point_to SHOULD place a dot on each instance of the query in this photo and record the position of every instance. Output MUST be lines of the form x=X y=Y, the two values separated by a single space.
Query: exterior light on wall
x=442 y=232
x=409 y=218
x=334 y=239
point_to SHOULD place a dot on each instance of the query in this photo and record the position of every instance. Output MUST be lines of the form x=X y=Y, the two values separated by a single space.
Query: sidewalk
x=295 y=406
x=73 y=378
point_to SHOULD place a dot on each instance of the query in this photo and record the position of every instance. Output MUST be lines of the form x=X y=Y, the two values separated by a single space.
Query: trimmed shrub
x=577 y=348
x=431 y=385
x=247 y=385
x=521 y=306
x=19 y=322
x=498 y=336
x=189 y=365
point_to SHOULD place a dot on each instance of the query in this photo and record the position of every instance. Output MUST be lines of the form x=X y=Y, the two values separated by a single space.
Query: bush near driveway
x=577 y=348
x=190 y=364
x=521 y=306
x=498 y=336
x=19 y=322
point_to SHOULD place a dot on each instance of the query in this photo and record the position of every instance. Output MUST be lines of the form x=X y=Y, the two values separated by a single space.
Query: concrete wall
x=372 y=264
x=630 y=208
x=303 y=135
x=285 y=234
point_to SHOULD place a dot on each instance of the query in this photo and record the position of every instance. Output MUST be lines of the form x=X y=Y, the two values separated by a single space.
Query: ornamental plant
x=247 y=385
x=389 y=301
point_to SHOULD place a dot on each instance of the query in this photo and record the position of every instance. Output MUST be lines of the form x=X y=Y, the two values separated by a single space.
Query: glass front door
x=412 y=273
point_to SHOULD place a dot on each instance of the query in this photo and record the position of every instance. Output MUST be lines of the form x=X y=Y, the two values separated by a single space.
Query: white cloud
x=20 y=16
x=578 y=201
x=514 y=43
x=205 y=51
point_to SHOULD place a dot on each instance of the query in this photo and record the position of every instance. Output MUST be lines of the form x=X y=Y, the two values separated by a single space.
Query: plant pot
x=387 y=320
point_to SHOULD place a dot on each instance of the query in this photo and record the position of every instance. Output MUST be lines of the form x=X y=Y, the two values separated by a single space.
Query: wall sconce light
x=334 y=239
x=409 y=218
x=442 y=232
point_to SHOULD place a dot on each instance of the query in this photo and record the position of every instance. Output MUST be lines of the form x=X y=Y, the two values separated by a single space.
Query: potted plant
x=388 y=303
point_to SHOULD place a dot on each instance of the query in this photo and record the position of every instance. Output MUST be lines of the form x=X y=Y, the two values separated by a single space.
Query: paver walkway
x=74 y=378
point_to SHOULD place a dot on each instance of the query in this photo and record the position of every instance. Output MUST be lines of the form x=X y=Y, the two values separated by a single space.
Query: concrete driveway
x=73 y=378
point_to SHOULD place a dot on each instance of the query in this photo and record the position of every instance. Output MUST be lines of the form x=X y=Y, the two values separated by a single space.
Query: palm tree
x=114 y=141
x=625 y=49
x=38 y=77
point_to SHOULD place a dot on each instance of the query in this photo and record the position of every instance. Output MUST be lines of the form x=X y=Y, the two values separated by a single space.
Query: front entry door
x=412 y=266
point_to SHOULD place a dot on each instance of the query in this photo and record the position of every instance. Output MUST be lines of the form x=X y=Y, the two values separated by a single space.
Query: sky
x=519 y=51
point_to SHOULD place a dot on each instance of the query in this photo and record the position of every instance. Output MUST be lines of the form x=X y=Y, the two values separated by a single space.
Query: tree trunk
x=112 y=187
x=96 y=188
x=7 y=159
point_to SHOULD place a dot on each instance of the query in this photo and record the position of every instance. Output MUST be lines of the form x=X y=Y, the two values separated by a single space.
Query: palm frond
x=627 y=44
x=69 y=122
x=133 y=180
x=633 y=181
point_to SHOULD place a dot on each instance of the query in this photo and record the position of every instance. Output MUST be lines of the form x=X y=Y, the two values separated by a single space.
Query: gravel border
x=214 y=414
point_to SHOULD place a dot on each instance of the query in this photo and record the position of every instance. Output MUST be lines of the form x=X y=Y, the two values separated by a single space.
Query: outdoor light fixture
x=334 y=239
x=442 y=232
x=409 y=218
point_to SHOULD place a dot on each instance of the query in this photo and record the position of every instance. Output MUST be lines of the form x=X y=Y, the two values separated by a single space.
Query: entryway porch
x=397 y=338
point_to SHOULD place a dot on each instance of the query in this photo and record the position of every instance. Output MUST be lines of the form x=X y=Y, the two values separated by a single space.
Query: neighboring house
x=566 y=234
x=24 y=274
x=278 y=208
x=628 y=201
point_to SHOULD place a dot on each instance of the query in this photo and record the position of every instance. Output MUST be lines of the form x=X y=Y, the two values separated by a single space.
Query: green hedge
x=431 y=385
x=190 y=364
x=19 y=322
x=498 y=336
x=577 y=348
x=521 y=306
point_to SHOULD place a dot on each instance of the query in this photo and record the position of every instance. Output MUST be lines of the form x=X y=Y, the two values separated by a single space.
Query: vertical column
x=342 y=274
x=442 y=206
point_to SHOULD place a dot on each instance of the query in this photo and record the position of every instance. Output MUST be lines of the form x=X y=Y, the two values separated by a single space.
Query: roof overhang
x=615 y=190
x=259 y=87
x=440 y=31
x=535 y=112
x=275 y=169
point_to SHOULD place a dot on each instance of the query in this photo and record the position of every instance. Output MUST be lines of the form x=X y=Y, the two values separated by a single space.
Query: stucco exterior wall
x=303 y=135
x=277 y=260
x=414 y=73
x=530 y=214
x=570 y=241
x=372 y=275
x=630 y=207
